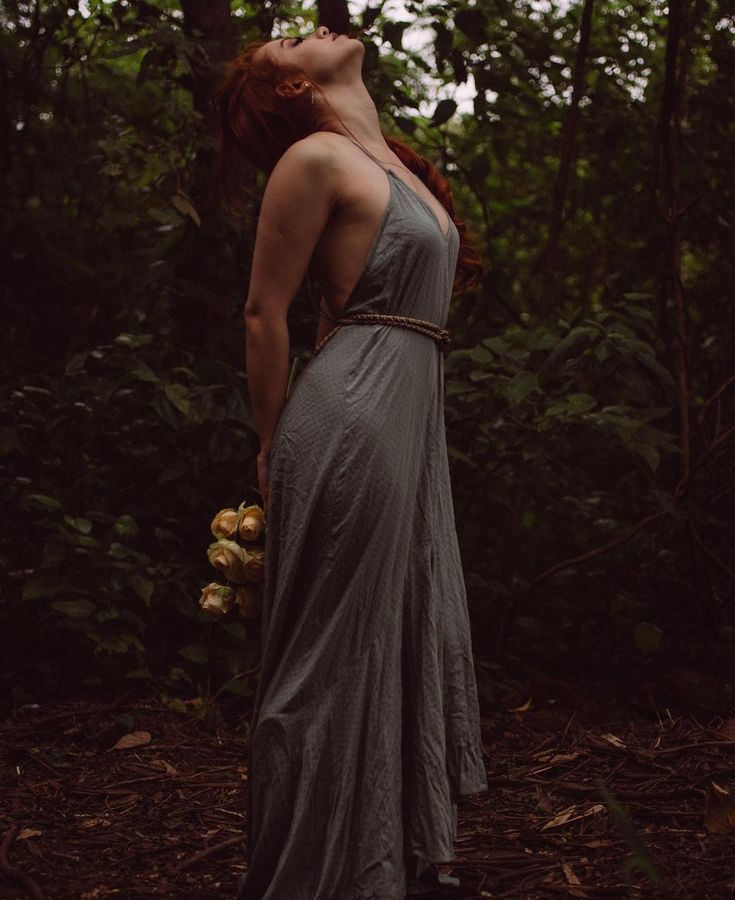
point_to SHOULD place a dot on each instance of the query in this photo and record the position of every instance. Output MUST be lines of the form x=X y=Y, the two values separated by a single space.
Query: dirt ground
x=130 y=798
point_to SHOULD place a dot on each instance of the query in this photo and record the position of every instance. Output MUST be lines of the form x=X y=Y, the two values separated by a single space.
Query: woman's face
x=324 y=56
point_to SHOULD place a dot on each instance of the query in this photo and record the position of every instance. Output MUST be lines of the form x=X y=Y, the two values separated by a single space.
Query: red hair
x=255 y=126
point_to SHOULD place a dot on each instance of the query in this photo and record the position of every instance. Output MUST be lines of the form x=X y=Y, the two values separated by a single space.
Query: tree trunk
x=335 y=15
x=547 y=258
x=679 y=40
x=213 y=19
x=207 y=276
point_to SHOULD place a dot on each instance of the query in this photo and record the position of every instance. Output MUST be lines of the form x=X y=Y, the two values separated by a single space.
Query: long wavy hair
x=254 y=126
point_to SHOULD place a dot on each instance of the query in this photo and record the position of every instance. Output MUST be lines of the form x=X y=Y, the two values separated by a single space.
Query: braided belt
x=430 y=329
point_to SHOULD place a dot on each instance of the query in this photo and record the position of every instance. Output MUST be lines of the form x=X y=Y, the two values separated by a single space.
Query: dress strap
x=408 y=187
x=367 y=153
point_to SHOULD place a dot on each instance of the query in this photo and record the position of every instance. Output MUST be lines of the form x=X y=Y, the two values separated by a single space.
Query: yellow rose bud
x=254 y=567
x=224 y=524
x=251 y=522
x=248 y=601
x=230 y=558
x=216 y=599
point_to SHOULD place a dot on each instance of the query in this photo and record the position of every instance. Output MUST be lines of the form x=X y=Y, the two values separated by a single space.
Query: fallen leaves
x=719 y=809
x=567 y=816
x=132 y=740
x=542 y=829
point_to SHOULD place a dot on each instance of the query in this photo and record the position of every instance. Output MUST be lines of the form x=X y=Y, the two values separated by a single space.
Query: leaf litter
x=135 y=799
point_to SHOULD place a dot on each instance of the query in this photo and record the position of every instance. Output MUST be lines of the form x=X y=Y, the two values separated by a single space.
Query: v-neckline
x=445 y=236
x=424 y=204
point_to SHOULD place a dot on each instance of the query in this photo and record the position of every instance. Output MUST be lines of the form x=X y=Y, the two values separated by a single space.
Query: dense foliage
x=590 y=394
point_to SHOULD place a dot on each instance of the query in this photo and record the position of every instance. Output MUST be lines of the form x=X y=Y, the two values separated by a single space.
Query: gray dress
x=365 y=729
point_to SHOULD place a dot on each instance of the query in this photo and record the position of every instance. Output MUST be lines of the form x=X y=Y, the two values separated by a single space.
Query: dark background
x=590 y=392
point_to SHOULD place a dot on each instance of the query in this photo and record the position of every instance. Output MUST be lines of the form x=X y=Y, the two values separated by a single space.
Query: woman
x=365 y=730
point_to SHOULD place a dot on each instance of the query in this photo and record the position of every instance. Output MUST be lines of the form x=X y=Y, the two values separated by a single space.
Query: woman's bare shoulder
x=323 y=150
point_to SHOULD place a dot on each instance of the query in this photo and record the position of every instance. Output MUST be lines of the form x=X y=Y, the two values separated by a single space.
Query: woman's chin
x=354 y=46
x=351 y=57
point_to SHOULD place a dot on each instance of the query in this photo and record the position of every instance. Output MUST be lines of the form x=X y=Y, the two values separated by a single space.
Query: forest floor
x=131 y=798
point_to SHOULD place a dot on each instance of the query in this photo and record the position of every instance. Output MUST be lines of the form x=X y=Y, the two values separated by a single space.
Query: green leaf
x=144 y=372
x=442 y=42
x=472 y=23
x=641 y=311
x=520 y=386
x=132 y=341
x=179 y=674
x=76 y=363
x=478 y=375
x=496 y=344
x=444 y=111
x=44 y=584
x=393 y=33
x=236 y=629
x=481 y=354
x=407 y=126
x=454 y=386
x=165 y=216
x=185 y=370
x=142 y=586
x=42 y=501
x=84 y=540
x=76 y=609
x=648 y=453
x=9 y=440
x=662 y=374
x=178 y=396
x=453 y=453
x=165 y=411
x=119 y=551
x=239 y=686
x=175 y=704
x=108 y=643
x=197 y=653
x=151 y=60
x=647 y=637
x=126 y=524
x=108 y=614
x=80 y=524
x=138 y=673
x=640 y=857
x=578 y=403
x=570 y=346
x=132 y=641
x=480 y=167
x=34 y=390
x=184 y=205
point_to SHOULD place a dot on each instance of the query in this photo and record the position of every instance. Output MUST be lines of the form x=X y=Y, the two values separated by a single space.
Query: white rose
x=216 y=599
x=251 y=523
x=230 y=558
x=224 y=524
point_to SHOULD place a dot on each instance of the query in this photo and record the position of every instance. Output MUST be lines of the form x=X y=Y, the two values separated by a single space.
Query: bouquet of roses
x=239 y=554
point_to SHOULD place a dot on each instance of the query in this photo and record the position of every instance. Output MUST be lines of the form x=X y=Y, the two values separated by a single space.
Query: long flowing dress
x=366 y=728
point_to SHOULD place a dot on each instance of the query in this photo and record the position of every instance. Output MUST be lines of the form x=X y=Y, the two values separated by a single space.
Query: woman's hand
x=263 y=476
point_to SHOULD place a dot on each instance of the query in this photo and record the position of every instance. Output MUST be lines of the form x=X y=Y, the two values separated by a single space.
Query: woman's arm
x=297 y=203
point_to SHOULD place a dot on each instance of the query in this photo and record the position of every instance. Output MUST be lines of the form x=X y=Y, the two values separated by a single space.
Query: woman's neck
x=356 y=108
